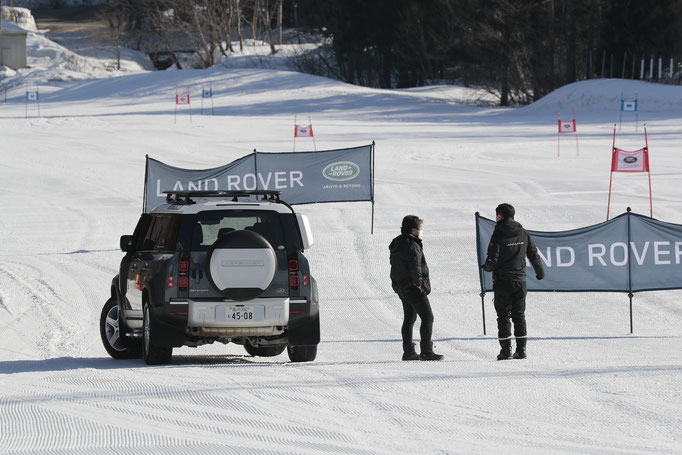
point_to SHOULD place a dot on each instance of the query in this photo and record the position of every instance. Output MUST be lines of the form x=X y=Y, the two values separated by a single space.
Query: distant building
x=13 y=48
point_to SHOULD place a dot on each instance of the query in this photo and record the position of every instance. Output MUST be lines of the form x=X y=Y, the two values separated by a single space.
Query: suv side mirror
x=306 y=232
x=127 y=243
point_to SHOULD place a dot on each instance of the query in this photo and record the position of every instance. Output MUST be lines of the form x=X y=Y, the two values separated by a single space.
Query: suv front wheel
x=152 y=354
x=302 y=353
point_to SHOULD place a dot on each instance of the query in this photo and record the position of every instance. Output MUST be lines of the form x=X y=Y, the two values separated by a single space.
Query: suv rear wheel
x=112 y=332
x=302 y=353
x=152 y=354
x=264 y=351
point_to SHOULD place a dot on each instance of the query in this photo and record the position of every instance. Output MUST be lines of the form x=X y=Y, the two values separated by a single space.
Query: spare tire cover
x=241 y=265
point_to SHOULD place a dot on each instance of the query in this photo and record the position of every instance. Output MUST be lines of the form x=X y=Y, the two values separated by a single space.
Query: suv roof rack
x=185 y=197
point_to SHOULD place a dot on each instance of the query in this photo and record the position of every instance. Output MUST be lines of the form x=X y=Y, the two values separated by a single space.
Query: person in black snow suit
x=410 y=280
x=509 y=246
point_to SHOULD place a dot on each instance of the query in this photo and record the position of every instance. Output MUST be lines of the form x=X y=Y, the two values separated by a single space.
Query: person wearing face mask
x=410 y=280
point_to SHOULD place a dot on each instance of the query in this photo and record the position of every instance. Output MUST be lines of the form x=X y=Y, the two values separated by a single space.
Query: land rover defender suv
x=214 y=266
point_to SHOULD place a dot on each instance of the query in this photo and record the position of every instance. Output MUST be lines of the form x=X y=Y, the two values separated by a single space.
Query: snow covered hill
x=71 y=181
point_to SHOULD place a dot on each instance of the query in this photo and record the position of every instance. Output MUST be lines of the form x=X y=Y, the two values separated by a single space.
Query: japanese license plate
x=239 y=313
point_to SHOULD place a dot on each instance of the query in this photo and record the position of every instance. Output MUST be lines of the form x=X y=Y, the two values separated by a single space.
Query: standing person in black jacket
x=410 y=280
x=509 y=246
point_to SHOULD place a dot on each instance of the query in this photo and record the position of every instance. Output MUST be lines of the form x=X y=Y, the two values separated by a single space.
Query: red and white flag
x=182 y=99
x=626 y=161
x=303 y=131
x=567 y=127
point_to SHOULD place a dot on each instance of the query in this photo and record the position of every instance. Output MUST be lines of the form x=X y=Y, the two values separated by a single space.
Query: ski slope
x=71 y=182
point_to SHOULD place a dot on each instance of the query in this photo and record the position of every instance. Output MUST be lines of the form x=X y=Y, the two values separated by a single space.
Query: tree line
x=521 y=49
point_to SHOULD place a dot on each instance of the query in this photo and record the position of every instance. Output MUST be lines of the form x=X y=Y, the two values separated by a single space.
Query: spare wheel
x=241 y=265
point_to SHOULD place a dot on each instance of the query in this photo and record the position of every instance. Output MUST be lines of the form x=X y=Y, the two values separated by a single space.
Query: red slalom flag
x=567 y=127
x=630 y=161
x=303 y=131
x=182 y=99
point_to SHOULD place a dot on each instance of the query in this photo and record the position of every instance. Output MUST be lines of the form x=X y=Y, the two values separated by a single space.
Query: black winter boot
x=506 y=351
x=409 y=353
x=427 y=352
x=520 y=348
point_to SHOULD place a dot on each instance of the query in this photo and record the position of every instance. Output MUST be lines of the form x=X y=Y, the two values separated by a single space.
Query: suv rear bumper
x=224 y=314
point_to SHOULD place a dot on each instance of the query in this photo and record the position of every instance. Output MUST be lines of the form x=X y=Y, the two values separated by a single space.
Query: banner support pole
x=480 y=271
x=483 y=311
x=630 y=294
x=255 y=168
x=146 y=176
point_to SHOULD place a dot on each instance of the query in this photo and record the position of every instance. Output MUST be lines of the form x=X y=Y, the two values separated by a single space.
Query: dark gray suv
x=214 y=266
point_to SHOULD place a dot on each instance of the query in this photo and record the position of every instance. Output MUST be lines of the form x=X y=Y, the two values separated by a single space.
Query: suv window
x=162 y=233
x=211 y=225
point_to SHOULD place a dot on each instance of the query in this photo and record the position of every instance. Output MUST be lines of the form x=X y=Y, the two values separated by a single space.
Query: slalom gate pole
x=372 y=187
x=648 y=166
x=189 y=104
x=558 y=134
x=613 y=150
x=310 y=122
x=620 y=119
x=575 y=127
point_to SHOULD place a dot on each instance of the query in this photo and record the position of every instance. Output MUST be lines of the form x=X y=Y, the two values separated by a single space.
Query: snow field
x=72 y=183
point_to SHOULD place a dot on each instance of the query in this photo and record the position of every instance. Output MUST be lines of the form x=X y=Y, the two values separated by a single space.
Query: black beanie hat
x=410 y=222
x=506 y=210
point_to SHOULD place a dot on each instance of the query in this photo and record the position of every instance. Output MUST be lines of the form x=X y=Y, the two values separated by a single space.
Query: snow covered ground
x=71 y=183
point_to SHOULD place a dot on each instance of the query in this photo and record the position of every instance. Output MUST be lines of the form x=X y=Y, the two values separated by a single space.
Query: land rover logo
x=343 y=170
x=630 y=159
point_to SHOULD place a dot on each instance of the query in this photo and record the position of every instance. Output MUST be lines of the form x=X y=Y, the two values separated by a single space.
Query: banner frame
x=630 y=292
x=256 y=154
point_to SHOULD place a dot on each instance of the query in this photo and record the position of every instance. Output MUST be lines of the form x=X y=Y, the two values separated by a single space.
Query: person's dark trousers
x=510 y=302
x=416 y=303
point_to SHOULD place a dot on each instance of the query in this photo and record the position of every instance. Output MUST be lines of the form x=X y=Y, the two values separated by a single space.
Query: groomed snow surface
x=71 y=183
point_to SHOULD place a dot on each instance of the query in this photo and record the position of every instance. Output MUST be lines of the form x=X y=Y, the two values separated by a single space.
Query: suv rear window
x=208 y=226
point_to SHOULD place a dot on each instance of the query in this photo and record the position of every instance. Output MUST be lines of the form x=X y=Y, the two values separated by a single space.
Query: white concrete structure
x=13 y=48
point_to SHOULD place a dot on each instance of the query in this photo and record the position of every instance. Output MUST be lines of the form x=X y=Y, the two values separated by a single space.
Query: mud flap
x=304 y=330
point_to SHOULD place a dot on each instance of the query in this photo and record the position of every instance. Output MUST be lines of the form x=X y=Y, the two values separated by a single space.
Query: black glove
x=540 y=275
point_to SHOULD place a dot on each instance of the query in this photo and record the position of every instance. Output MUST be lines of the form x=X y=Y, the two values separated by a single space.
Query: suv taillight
x=183 y=275
x=294 y=281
